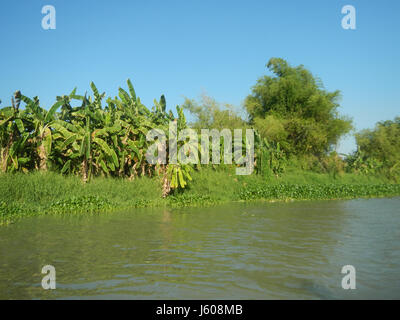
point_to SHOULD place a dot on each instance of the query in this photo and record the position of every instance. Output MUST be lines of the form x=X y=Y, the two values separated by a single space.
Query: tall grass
x=45 y=192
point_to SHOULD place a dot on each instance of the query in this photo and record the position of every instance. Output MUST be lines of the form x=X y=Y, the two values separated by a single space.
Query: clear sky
x=184 y=48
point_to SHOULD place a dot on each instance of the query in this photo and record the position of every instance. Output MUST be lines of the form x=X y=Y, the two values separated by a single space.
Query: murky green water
x=258 y=251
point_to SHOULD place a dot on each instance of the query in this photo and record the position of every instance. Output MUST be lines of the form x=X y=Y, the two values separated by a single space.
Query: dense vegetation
x=83 y=138
x=89 y=139
x=298 y=126
x=379 y=149
x=51 y=193
x=292 y=109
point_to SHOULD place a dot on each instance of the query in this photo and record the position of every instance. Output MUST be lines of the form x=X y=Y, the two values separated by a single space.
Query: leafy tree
x=293 y=108
x=209 y=114
x=382 y=144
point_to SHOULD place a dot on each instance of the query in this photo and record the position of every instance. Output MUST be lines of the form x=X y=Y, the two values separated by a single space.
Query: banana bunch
x=178 y=174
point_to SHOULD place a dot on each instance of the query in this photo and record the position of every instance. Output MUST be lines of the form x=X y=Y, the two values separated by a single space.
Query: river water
x=238 y=251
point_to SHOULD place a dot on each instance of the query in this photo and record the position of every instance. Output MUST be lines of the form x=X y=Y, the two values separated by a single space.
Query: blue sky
x=184 y=48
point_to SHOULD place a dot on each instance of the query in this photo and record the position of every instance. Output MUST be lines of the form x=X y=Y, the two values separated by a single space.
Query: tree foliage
x=293 y=108
x=209 y=114
x=93 y=138
x=381 y=145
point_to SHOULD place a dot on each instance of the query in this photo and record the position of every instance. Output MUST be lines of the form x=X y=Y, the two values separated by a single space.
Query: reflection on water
x=241 y=251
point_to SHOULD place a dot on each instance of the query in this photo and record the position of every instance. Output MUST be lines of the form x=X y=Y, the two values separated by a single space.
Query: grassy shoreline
x=50 y=193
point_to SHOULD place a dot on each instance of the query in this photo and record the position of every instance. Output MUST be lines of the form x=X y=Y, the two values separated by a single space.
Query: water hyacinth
x=317 y=191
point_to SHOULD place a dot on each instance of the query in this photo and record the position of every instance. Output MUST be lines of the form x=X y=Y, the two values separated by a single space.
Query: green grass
x=42 y=193
x=51 y=193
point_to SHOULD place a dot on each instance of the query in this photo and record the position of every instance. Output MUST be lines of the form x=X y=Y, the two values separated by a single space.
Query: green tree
x=382 y=144
x=293 y=108
x=209 y=114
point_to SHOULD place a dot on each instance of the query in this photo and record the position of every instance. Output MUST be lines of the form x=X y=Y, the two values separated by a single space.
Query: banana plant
x=270 y=157
x=78 y=135
x=14 y=149
x=83 y=139
x=177 y=175
x=41 y=120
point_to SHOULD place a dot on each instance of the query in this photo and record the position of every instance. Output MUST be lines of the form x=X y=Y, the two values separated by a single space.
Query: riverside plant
x=317 y=191
x=92 y=136
x=87 y=140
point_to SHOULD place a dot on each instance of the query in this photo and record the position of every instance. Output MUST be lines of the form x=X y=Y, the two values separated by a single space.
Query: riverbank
x=51 y=193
